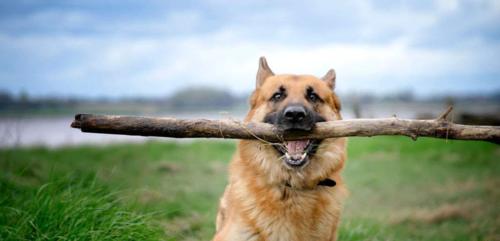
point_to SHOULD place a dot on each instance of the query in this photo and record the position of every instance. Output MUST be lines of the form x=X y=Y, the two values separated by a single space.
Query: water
x=56 y=131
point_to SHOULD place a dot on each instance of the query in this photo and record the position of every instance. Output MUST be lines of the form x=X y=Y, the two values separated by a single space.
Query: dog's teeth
x=303 y=156
x=287 y=156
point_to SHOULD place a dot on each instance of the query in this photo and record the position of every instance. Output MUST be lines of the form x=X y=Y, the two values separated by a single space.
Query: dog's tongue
x=296 y=147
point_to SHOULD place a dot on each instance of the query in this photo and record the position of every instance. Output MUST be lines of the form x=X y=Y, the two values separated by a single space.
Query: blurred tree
x=23 y=96
x=201 y=98
x=6 y=98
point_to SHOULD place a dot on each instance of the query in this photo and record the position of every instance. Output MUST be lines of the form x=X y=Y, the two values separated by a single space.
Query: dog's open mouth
x=297 y=153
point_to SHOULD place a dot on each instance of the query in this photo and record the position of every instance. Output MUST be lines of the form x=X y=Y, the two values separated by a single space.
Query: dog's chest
x=297 y=216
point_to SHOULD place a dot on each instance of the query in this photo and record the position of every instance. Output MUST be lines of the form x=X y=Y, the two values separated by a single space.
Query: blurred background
x=198 y=59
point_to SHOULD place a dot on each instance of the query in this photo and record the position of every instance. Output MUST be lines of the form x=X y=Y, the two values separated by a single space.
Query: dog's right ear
x=264 y=72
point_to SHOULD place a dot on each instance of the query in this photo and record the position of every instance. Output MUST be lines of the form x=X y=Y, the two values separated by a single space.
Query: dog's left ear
x=330 y=78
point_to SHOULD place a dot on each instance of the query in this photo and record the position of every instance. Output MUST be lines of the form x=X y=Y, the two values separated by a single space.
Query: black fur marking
x=271 y=118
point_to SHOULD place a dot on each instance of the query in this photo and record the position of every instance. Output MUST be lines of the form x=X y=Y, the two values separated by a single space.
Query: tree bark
x=202 y=128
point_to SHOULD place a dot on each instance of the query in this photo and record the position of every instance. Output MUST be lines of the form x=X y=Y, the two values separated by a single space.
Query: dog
x=289 y=191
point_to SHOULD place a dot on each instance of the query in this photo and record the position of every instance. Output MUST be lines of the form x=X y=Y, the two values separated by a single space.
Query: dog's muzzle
x=295 y=118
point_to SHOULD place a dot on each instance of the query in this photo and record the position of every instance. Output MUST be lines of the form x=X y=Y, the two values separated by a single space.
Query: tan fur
x=256 y=204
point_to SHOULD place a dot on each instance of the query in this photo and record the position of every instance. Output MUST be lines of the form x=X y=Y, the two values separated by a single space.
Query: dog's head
x=295 y=103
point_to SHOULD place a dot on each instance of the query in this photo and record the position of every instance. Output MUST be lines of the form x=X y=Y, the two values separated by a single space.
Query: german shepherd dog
x=289 y=191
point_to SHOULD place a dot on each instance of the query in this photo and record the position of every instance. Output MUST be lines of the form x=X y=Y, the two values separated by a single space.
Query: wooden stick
x=202 y=128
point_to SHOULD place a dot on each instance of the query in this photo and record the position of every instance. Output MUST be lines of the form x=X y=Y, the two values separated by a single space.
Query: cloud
x=426 y=46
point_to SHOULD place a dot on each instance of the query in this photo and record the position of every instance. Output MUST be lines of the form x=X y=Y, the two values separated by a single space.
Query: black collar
x=325 y=182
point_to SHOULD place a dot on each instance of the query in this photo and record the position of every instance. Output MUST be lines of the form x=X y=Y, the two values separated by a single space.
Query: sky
x=95 y=48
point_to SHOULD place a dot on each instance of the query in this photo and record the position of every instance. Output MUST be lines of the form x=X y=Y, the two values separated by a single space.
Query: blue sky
x=151 y=48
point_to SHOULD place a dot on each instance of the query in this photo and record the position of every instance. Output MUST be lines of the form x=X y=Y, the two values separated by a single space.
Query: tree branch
x=202 y=128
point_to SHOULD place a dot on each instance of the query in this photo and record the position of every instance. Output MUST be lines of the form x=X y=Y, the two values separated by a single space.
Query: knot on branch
x=413 y=136
x=445 y=114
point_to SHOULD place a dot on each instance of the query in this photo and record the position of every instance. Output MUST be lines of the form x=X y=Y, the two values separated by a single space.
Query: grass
x=69 y=210
x=400 y=190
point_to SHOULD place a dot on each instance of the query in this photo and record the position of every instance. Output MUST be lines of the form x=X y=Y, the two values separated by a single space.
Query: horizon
x=492 y=94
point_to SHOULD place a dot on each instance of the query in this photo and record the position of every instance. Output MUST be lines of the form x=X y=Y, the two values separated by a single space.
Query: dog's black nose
x=295 y=113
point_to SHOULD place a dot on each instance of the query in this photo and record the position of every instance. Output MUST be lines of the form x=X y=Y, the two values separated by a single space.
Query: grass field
x=400 y=190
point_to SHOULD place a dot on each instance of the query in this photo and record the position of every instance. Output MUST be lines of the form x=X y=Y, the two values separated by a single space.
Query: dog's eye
x=313 y=97
x=277 y=96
